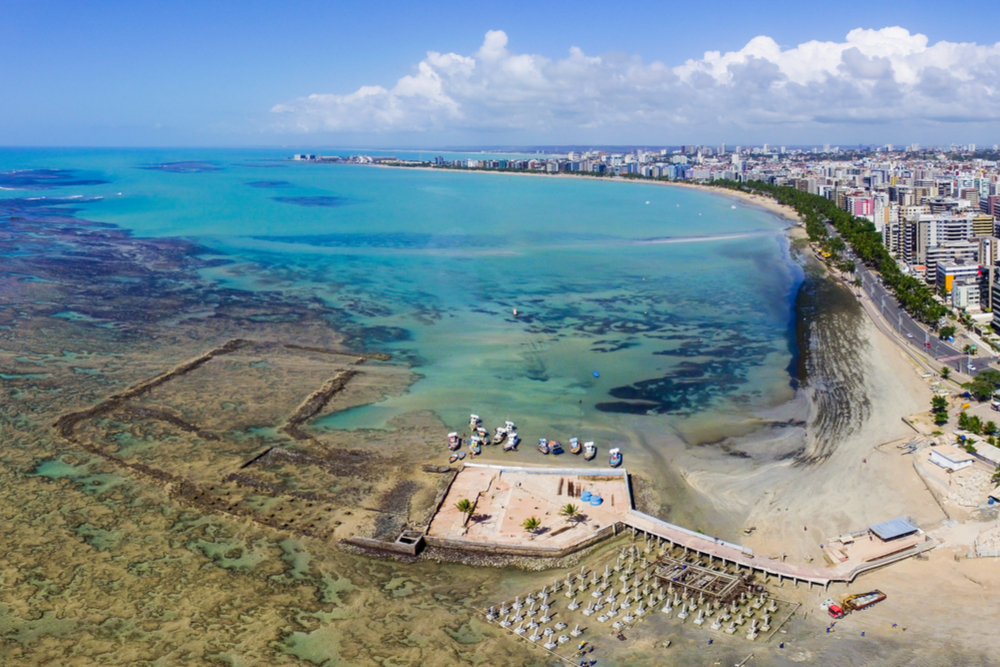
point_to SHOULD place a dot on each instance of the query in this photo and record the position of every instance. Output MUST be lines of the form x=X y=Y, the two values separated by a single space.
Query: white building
x=951 y=457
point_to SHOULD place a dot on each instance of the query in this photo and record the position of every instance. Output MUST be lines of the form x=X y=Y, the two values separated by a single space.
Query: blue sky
x=228 y=73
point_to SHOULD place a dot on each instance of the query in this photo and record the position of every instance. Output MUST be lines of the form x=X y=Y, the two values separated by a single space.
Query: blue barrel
x=585 y=496
x=596 y=500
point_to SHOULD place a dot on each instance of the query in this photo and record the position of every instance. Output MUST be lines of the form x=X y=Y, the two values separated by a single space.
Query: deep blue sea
x=639 y=305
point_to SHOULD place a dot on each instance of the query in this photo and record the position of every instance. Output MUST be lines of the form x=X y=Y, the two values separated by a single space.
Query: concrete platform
x=506 y=495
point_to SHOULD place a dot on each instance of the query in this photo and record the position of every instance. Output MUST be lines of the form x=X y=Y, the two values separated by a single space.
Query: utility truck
x=856 y=603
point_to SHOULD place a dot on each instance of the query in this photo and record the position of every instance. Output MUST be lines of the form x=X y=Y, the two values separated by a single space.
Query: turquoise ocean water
x=681 y=303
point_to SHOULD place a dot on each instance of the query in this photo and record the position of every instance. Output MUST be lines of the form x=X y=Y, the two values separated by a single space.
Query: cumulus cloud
x=873 y=76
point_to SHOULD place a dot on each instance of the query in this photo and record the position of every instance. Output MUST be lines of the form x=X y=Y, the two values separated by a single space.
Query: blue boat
x=543 y=446
x=555 y=447
x=616 y=457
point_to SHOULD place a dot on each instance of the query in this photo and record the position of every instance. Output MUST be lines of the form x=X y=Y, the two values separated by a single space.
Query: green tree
x=945 y=372
x=990 y=428
x=531 y=525
x=982 y=391
x=571 y=512
x=996 y=475
x=989 y=375
x=465 y=506
x=969 y=350
x=946 y=332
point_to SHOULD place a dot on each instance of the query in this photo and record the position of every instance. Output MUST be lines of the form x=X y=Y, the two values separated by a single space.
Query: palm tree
x=570 y=511
x=531 y=526
x=465 y=506
x=945 y=372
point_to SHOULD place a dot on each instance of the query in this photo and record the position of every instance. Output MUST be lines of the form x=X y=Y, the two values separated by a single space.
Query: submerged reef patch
x=45 y=179
x=399 y=240
x=187 y=167
x=319 y=201
x=269 y=184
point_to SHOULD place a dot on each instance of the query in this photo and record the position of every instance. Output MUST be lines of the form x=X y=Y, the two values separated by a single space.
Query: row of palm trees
x=860 y=234
x=532 y=525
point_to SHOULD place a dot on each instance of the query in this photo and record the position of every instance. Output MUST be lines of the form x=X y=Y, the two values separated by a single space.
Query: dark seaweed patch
x=45 y=179
x=189 y=167
x=689 y=387
x=315 y=201
x=269 y=184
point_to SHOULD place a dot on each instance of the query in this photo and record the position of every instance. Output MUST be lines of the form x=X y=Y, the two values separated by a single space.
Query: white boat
x=511 y=442
x=500 y=435
x=475 y=446
x=454 y=441
x=474 y=421
x=589 y=450
x=509 y=425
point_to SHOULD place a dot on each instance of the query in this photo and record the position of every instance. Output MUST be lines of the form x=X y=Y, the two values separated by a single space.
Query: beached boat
x=483 y=435
x=454 y=441
x=509 y=426
x=500 y=435
x=555 y=447
x=574 y=446
x=452 y=458
x=616 y=458
x=511 y=442
x=475 y=421
x=589 y=450
x=475 y=445
x=543 y=446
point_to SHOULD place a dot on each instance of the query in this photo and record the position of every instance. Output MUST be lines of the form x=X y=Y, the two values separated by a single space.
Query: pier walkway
x=482 y=480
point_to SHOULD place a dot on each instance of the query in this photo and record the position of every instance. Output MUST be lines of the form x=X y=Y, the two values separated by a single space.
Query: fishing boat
x=454 y=441
x=474 y=421
x=509 y=425
x=589 y=450
x=616 y=458
x=555 y=447
x=483 y=435
x=511 y=442
x=543 y=446
x=500 y=435
x=574 y=446
x=452 y=458
x=475 y=445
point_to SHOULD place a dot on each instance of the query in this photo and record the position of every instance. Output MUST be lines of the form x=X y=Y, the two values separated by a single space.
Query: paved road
x=916 y=334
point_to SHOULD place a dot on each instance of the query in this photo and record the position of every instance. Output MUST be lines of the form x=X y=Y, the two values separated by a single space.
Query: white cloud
x=874 y=76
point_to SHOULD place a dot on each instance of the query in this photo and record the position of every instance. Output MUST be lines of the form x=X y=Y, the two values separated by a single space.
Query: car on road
x=909 y=335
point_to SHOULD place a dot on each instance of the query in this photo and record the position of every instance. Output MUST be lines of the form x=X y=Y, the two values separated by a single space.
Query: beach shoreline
x=759 y=201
